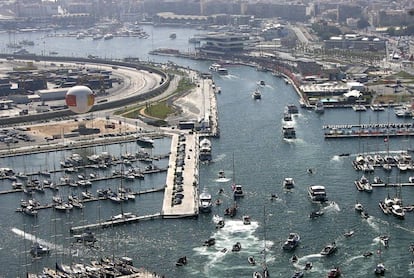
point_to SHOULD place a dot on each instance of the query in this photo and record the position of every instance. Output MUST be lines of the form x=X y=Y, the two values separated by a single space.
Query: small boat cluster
x=288 y=130
x=368 y=163
x=105 y=267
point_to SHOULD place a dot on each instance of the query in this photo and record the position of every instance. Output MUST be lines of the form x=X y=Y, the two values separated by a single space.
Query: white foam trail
x=220 y=157
x=223 y=180
x=336 y=158
x=33 y=238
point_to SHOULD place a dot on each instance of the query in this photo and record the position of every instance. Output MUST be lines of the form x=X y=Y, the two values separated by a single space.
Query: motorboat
x=292 y=109
x=364 y=214
x=86 y=237
x=317 y=193
x=257 y=94
x=298 y=274
x=209 y=242
x=398 y=211
x=238 y=191
x=349 y=233
x=251 y=260
x=205 y=202
x=379 y=269
x=145 y=141
x=308 y=266
x=288 y=183
x=363 y=184
x=367 y=254
x=294 y=259
x=205 y=150
x=359 y=207
x=257 y=274
x=246 y=220
x=319 y=107
x=289 y=132
x=38 y=249
x=214 y=67
x=384 y=239
x=236 y=247
x=287 y=117
x=219 y=221
x=328 y=249
x=315 y=214
x=221 y=174
x=292 y=242
x=231 y=211
x=262 y=83
x=334 y=272
x=181 y=261
x=377 y=181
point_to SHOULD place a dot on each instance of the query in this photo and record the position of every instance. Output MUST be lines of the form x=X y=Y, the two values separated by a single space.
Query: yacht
x=289 y=132
x=38 y=250
x=205 y=150
x=222 y=71
x=238 y=191
x=145 y=141
x=317 y=193
x=246 y=220
x=214 y=67
x=292 y=109
x=292 y=242
x=205 y=203
x=398 y=211
x=380 y=269
x=288 y=183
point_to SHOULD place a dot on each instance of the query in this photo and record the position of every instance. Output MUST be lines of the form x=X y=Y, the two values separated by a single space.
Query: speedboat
x=298 y=274
x=38 y=249
x=308 y=266
x=288 y=183
x=315 y=214
x=294 y=259
x=364 y=214
x=367 y=254
x=334 y=272
x=209 y=242
x=238 y=191
x=363 y=184
x=329 y=249
x=181 y=261
x=359 y=207
x=236 y=247
x=246 y=220
x=384 y=239
x=292 y=242
x=349 y=233
x=251 y=260
x=257 y=274
x=257 y=94
x=380 y=269
x=221 y=174
x=205 y=202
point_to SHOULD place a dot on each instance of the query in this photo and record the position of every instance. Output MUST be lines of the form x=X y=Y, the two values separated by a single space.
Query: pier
x=124 y=218
x=368 y=130
x=181 y=194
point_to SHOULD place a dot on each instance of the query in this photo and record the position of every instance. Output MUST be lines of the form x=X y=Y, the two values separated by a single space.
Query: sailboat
x=265 y=271
x=237 y=188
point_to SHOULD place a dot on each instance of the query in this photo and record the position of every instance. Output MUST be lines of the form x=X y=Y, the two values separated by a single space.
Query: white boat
x=205 y=150
x=317 y=193
x=328 y=249
x=38 y=249
x=238 y=191
x=359 y=207
x=398 y=211
x=222 y=71
x=289 y=132
x=359 y=107
x=379 y=269
x=257 y=94
x=205 y=202
x=363 y=184
x=145 y=141
x=291 y=242
x=288 y=183
x=214 y=67
x=221 y=174
x=246 y=220
x=108 y=36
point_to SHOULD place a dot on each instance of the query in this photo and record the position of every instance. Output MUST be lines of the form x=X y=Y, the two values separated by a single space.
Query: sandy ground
x=57 y=128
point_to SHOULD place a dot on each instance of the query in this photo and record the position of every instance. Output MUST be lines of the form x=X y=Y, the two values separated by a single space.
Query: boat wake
x=222 y=179
x=36 y=239
x=333 y=206
x=218 y=256
x=220 y=157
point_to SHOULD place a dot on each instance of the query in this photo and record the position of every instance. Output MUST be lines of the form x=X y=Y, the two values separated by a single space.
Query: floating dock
x=368 y=130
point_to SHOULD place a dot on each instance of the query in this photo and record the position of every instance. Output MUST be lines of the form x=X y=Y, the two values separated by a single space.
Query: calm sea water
x=251 y=133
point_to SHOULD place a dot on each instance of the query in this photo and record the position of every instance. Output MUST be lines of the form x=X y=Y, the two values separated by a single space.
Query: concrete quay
x=181 y=190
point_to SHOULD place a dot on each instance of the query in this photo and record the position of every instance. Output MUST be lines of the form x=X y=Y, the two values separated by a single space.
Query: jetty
x=181 y=193
x=368 y=130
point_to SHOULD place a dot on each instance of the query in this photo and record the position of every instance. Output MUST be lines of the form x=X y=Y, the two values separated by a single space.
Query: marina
x=257 y=154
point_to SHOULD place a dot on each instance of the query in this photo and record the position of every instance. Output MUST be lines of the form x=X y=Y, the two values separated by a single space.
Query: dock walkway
x=181 y=194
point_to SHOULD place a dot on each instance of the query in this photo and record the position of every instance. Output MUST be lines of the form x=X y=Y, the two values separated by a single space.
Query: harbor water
x=252 y=152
